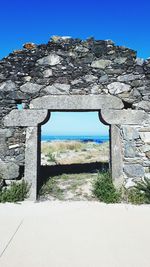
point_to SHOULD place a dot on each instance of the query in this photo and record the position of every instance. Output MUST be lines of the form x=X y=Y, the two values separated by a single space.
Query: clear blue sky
x=125 y=22
x=74 y=123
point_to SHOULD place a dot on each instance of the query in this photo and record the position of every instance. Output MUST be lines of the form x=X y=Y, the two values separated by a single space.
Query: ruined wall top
x=73 y=66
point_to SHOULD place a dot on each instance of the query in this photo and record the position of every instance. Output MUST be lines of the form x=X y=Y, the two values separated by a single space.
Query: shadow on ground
x=49 y=171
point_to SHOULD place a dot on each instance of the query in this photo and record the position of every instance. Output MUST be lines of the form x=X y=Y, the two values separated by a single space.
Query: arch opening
x=74 y=147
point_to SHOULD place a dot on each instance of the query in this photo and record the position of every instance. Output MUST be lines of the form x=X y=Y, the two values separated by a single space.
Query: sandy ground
x=74 y=234
x=69 y=152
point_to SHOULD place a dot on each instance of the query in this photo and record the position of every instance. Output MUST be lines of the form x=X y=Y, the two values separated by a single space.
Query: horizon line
x=74 y=135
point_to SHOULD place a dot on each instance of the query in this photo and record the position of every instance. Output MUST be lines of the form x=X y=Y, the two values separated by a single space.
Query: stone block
x=147 y=175
x=2 y=77
x=29 y=46
x=146 y=163
x=116 y=88
x=101 y=63
x=81 y=49
x=51 y=60
x=76 y=102
x=120 y=60
x=30 y=88
x=129 y=183
x=145 y=105
x=7 y=86
x=129 y=77
x=130 y=133
x=3 y=149
x=96 y=89
x=32 y=161
x=148 y=154
x=3 y=134
x=57 y=39
x=130 y=149
x=9 y=170
x=116 y=156
x=90 y=78
x=27 y=78
x=134 y=170
x=103 y=78
x=47 y=73
x=25 y=117
x=57 y=88
x=124 y=117
x=139 y=61
x=145 y=136
x=145 y=148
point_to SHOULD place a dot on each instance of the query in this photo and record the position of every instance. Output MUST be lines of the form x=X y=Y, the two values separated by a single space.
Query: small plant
x=144 y=187
x=132 y=195
x=16 y=192
x=104 y=189
x=51 y=157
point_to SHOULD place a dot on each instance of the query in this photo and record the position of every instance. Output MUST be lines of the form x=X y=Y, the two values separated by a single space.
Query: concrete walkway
x=74 y=234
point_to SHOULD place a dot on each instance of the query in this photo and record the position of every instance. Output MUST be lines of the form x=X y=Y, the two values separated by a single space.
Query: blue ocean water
x=82 y=138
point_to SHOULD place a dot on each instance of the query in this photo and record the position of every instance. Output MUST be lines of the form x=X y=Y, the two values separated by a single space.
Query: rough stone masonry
x=73 y=74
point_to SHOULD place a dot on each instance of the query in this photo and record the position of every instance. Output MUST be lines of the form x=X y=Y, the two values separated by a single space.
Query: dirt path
x=69 y=187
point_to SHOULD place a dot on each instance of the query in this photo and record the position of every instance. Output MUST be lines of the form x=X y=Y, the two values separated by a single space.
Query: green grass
x=15 y=193
x=132 y=195
x=104 y=189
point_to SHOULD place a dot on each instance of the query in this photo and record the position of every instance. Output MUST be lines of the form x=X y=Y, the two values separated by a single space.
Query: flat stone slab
x=128 y=117
x=75 y=234
x=25 y=117
x=9 y=226
x=77 y=102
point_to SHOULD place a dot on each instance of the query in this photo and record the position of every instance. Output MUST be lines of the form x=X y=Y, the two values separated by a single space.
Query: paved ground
x=74 y=234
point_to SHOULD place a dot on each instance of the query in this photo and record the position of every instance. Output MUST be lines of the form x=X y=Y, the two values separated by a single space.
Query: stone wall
x=136 y=153
x=102 y=75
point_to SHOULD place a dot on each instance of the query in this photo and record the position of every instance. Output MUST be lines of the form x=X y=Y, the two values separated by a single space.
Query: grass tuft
x=15 y=193
x=104 y=189
x=132 y=195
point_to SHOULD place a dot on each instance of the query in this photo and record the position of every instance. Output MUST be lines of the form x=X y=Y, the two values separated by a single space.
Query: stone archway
x=40 y=113
x=114 y=115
